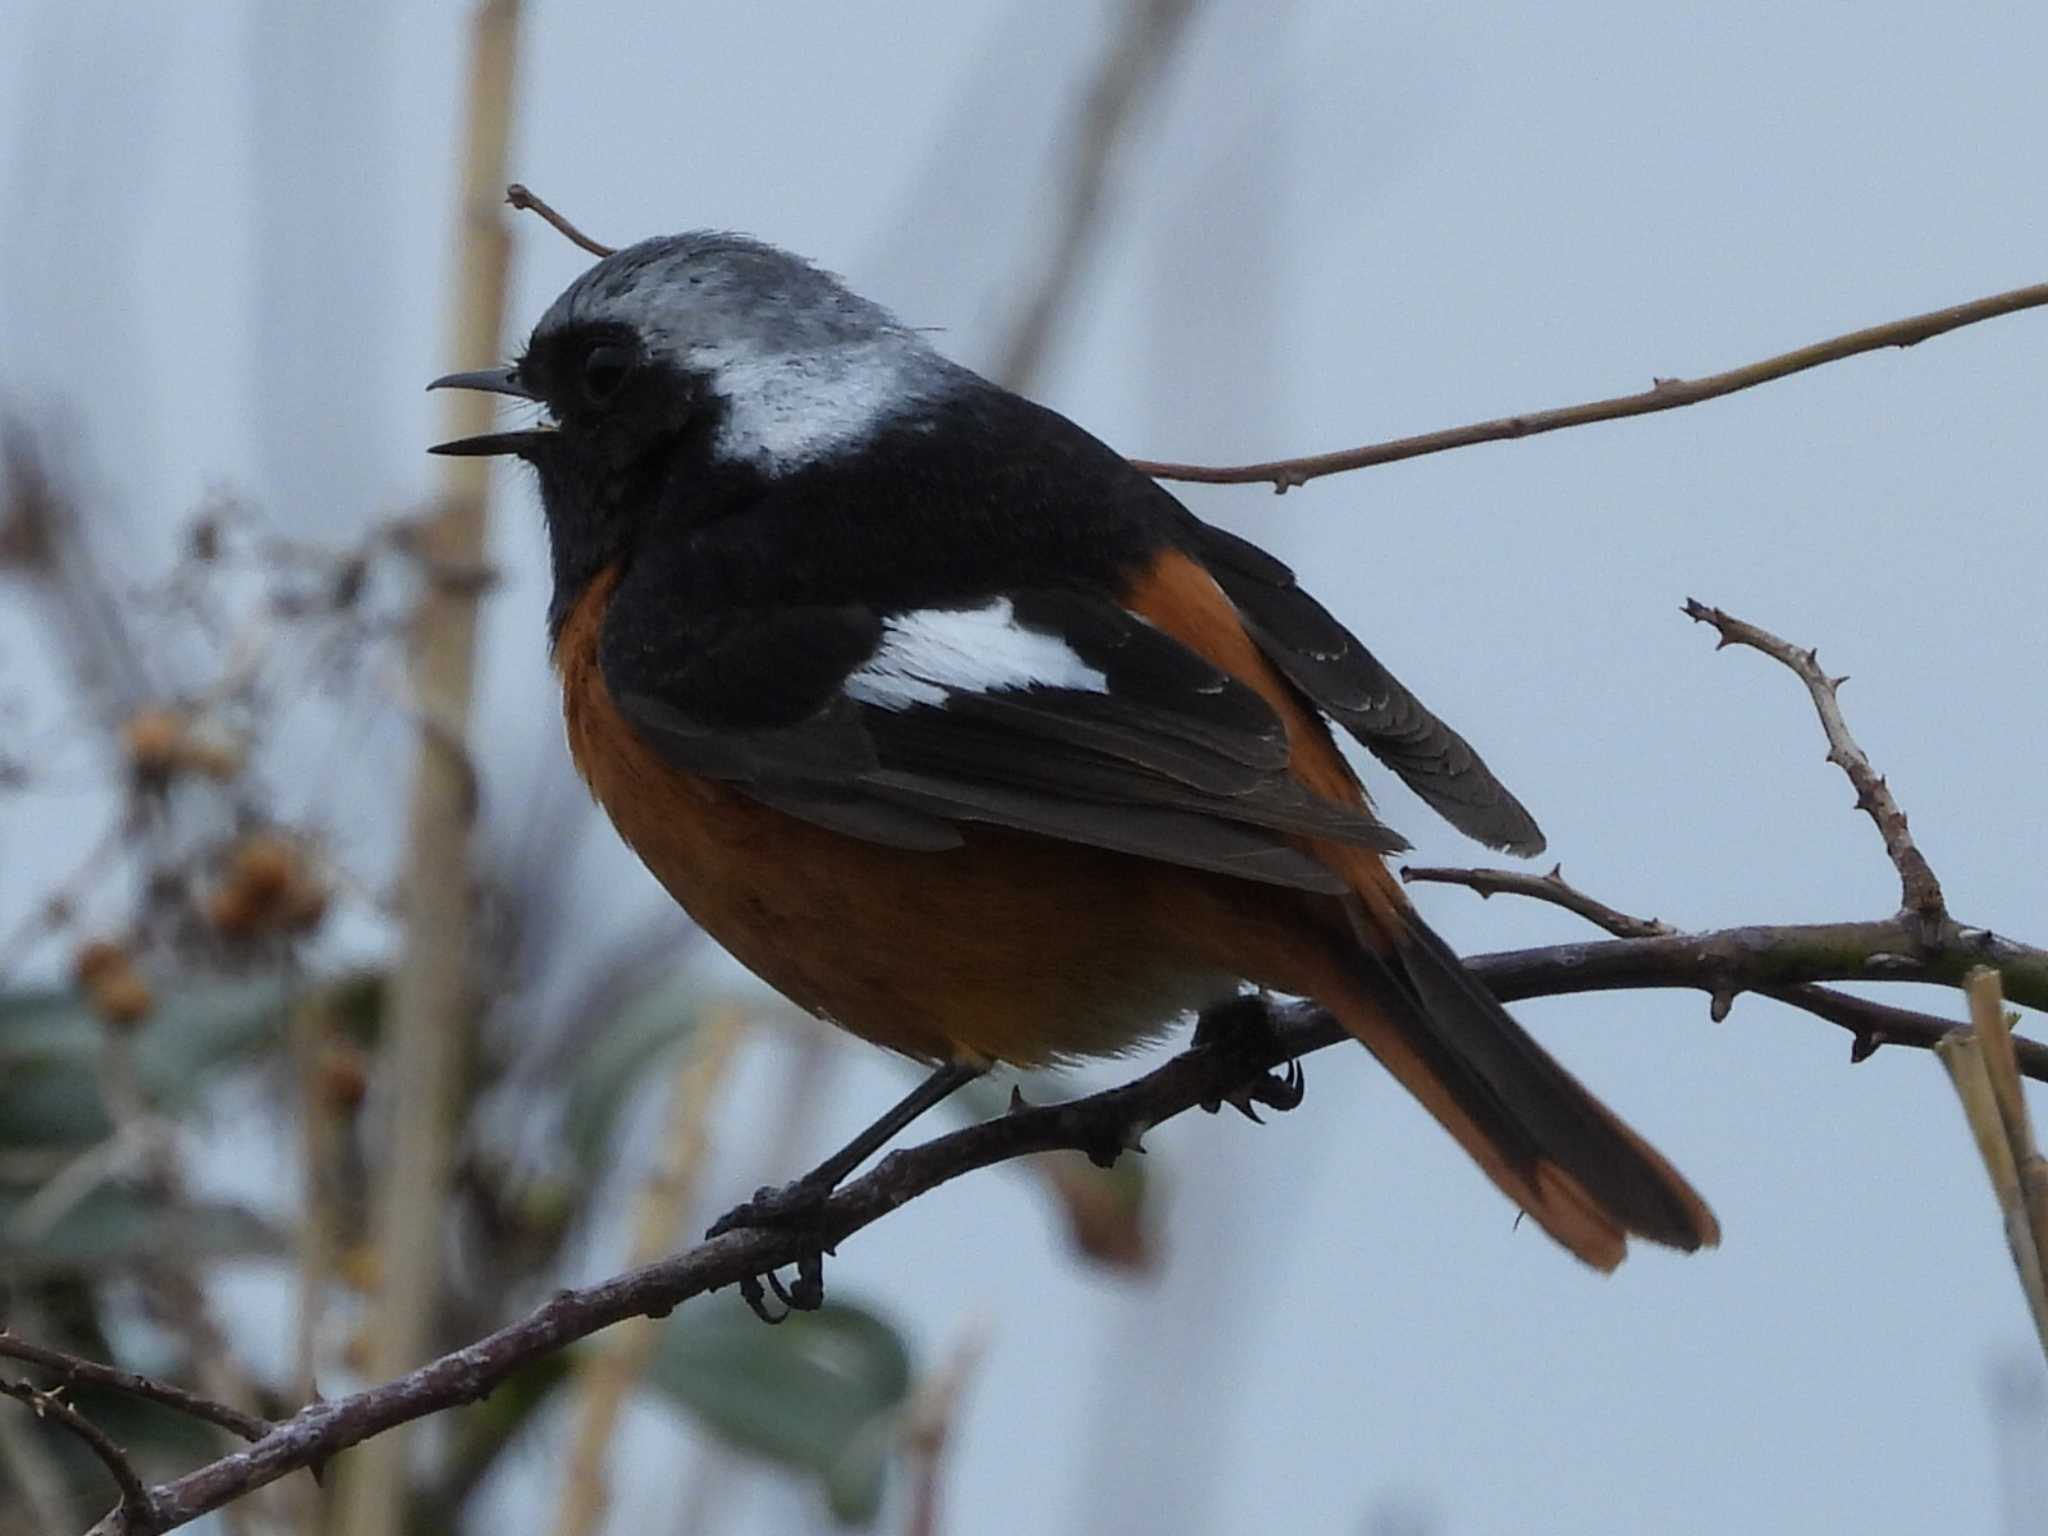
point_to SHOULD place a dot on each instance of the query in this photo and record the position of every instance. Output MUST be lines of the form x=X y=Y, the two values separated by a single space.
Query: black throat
x=607 y=493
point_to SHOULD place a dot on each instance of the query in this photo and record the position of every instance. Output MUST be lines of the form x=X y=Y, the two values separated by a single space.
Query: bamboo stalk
x=1982 y=1065
x=607 y=1376
x=432 y=1009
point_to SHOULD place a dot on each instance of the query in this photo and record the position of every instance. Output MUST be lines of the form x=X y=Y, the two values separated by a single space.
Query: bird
x=969 y=738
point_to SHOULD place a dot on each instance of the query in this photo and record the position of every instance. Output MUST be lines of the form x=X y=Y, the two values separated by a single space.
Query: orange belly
x=1012 y=948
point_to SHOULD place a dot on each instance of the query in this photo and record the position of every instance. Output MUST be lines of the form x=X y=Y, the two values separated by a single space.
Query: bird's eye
x=605 y=369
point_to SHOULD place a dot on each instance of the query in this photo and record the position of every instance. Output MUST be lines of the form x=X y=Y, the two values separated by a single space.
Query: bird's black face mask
x=622 y=428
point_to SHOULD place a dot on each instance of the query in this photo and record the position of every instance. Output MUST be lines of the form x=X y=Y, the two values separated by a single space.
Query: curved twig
x=74 y=1369
x=1663 y=395
x=1919 y=890
x=1552 y=888
x=137 y=1510
x=527 y=201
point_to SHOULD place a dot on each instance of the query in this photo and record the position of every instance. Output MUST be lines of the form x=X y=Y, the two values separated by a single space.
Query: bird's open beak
x=495 y=381
x=492 y=381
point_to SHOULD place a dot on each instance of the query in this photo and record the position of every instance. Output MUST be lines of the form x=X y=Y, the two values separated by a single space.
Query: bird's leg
x=1243 y=1026
x=799 y=1203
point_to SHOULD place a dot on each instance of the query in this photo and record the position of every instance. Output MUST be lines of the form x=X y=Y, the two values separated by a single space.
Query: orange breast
x=1011 y=948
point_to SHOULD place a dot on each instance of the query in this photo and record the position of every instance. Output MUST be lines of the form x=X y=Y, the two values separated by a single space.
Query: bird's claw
x=804 y=1294
x=1233 y=1026
x=1279 y=1091
x=790 y=1206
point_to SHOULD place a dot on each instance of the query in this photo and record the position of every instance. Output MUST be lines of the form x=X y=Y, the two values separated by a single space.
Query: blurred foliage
x=620 y=1062
x=52 y=1045
x=820 y=1393
x=112 y=1228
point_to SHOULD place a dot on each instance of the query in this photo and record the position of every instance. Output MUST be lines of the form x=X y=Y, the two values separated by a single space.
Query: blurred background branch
x=434 y=996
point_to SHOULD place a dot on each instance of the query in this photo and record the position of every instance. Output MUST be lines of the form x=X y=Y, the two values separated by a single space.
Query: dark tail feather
x=1552 y=1147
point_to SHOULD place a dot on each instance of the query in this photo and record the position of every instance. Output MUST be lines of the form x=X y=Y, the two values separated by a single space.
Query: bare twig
x=432 y=1007
x=74 y=1370
x=1131 y=66
x=1873 y=1024
x=1729 y=961
x=527 y=201
x=1552 y=888
x=1920 y=890
x=1663 y=395
x=1154 y=27
x=137 y=1509
x=34 y=1474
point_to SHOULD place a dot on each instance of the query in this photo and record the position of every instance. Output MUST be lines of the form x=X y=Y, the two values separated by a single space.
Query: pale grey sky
x=226 y=252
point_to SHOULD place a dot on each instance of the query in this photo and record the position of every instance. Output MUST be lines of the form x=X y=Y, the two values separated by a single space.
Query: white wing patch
x=930 y=653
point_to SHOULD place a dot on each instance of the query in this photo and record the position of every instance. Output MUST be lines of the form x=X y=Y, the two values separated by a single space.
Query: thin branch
x=1552 y=888
x=1920 y=891
x=1156 y=22
x=32 y=1471
x=1731 y=960
x=75 y=1371
x=1873 y=1024
x=527 y=201
x=1877 y=1024
x=137 y=1509
x=1662 y=395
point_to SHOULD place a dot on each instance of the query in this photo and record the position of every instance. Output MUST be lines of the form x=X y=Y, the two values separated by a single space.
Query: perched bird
x=968 y=737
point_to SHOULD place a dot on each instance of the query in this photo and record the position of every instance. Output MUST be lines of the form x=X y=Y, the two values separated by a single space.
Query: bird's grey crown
x=806 y=367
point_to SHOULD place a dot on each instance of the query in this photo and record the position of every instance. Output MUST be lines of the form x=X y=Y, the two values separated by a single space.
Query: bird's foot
x=794 y=1207
x=1243 y=1027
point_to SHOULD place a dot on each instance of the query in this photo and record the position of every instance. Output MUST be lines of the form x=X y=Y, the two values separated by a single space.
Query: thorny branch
x=1871 y=1023
x=137 y=1510
x=74 y=1370
x=1921 y=892
x=1662 y=395
x=1552 y=888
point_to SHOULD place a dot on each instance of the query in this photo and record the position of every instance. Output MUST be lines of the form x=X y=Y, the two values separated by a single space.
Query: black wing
x=1327 y=662
x=1047 y=712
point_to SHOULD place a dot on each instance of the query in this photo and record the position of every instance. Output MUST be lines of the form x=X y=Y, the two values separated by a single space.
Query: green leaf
x=620 y=1061
x=819 y=1393
x=50 y=1046
x=115 y=1226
